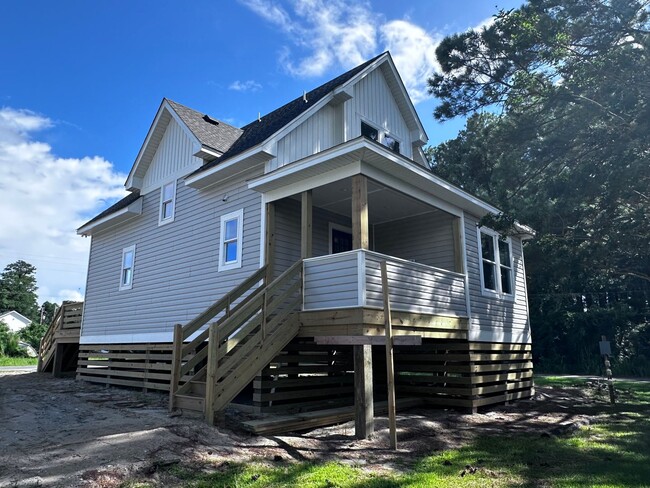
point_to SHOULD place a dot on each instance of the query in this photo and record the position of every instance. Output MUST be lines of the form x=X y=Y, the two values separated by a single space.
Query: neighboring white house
x=14 y=320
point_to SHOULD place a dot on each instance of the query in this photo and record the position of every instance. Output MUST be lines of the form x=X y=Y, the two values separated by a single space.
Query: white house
x=14 y=320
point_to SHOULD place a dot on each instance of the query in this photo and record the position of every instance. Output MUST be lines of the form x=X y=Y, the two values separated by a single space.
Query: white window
x=167 y=203
x=496 y=264
x=126 y=275
x=230 y=250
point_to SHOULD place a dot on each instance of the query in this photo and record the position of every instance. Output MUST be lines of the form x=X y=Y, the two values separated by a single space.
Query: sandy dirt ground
x=62 y=432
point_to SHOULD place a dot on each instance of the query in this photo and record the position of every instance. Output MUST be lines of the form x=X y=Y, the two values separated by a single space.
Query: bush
x=9 y=342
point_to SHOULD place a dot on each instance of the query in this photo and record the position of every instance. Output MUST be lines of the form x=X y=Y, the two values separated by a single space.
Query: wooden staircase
x=59 y=346
x=247 y=328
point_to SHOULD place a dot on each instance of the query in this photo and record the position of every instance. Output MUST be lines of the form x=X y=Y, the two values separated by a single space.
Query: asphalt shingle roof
x=209 y=131
x=259 y=130
x=232 y=141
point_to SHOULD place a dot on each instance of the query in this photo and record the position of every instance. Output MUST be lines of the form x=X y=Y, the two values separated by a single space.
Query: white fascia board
x=116 y=217
x=228 y=168
x=404 y=93
x=207 y=153
x=131 y=182
x=401 y=171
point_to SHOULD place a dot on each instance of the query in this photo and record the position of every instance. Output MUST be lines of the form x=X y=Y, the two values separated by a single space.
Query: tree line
x=18 y=292
x=556 y=96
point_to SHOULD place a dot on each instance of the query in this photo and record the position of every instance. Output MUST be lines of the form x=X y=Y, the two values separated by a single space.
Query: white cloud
x=43 y=199
x=328 y=34
x=245 y=86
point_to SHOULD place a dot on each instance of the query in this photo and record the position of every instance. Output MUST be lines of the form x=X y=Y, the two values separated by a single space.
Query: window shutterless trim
x=164 y=201
x=128 y=284
x=238 y=216
x=496 y=262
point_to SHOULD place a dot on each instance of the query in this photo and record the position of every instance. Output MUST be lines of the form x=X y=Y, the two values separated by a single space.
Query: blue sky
x=80 y=83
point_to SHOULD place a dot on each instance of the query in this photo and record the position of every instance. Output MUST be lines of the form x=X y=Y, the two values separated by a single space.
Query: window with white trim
x=167 y=202
x=230 y=248
x=128 y=262
x=496 y=263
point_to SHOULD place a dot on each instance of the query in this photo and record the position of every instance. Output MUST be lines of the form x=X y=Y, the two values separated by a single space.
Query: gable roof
x=209 y=131
x=230 y=141
x=259 y=130
x=16 y=315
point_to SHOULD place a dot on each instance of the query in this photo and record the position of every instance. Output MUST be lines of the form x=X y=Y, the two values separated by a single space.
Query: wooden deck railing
x=245 y=342
x=67 y=316
x=188 y=356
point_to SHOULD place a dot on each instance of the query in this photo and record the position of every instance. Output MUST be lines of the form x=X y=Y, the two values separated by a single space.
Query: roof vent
x=210 y=120
x=304 y=96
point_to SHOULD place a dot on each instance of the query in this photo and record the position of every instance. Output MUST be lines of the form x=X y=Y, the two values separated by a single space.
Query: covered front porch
x=343 y=222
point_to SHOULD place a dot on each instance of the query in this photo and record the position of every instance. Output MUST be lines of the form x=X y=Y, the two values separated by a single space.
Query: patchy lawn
x=69 y=433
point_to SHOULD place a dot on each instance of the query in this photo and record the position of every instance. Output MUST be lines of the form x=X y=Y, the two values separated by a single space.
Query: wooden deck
x=60 y=344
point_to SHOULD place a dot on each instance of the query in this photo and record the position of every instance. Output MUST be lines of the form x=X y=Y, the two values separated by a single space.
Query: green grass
x=9 y=361
x=613 y=452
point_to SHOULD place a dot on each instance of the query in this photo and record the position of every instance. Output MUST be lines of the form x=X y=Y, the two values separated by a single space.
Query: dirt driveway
x=61 y=432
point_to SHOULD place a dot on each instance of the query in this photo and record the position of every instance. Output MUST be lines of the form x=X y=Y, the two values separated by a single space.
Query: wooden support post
x=175 y=377
x=360 y=239
x=608 y=372
x=39 y=367
x=57 y=364
x=390 y=367
x=306 y=246
x=270 y=242
x=364 y=423
x=211 y=375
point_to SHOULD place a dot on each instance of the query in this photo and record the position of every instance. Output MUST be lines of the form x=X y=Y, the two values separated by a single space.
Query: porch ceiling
x=384 y=204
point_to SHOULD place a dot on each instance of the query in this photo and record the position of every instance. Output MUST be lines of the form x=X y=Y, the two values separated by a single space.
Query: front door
x=341 y=240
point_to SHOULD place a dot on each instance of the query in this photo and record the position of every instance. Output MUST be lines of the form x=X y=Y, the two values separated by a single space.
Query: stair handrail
x=180 y=349
x=224 y=336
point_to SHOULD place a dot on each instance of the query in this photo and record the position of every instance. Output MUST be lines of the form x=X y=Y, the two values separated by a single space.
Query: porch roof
x=363 y=156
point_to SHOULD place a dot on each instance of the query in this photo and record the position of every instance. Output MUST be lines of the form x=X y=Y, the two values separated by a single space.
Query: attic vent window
x=369 y=131
x=391 y=143
x=210 y=120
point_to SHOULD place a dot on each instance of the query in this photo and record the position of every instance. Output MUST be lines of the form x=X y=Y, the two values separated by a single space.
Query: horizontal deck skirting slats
x=465 y=374
x=135 y=365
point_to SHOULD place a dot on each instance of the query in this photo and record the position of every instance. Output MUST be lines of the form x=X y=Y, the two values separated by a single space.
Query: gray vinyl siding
x=415 y=288
x=353 y=279
x=426 y=239
x=287 y=232
x=501 y=319
x=176 y=265
x=332 y=282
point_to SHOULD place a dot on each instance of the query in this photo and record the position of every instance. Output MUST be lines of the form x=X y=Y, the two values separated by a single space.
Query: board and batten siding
x=496 y=319
x=317 y=133
x=373 y=102
x=175 y=274
x=173 y=158
x=426 y=239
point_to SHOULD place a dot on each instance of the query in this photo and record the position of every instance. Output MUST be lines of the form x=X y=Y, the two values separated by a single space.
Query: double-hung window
x=496 y=264
x=128 y=261
x=167 y=203
x=230 y=252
